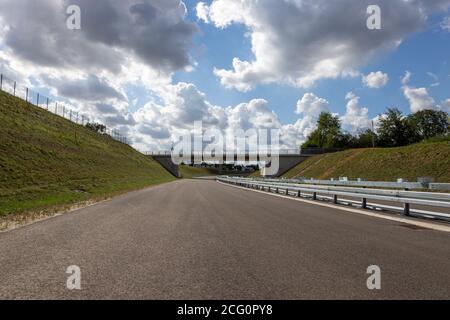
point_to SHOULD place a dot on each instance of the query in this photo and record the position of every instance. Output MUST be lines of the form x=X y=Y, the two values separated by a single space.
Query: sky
x=151 y=68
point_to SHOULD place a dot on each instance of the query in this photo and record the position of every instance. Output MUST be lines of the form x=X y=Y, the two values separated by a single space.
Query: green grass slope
x=47 y=161
x=424 y=159
x=188 y=172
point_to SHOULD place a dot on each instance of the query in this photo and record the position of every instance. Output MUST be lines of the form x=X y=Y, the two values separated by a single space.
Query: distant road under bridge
x=288 y=159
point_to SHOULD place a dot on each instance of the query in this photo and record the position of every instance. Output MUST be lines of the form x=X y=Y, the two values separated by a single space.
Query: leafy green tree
x=395 y=130
x=429 y=123
x=328 y=133
x=366 y=139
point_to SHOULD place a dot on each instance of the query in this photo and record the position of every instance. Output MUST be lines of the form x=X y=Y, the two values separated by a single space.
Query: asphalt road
x=203 y=240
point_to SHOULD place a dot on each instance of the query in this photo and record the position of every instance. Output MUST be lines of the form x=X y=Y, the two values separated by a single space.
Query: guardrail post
x=335 y=199
x=315 y=196
x=364 y=203
x=407 y=209
x=299 y=194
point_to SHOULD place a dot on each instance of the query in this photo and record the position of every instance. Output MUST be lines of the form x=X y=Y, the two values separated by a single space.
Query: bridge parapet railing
x=230 y=154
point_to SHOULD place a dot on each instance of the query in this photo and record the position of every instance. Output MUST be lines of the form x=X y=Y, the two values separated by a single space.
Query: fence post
x=37 y=100
x=47 y=103
x=64 y=111
x=26 y=98
x=14 y=88
x=56 y=108
x=70 y=115
x=1 y=81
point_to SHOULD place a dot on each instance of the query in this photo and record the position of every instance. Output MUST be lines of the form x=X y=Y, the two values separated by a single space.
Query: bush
x=97 y=127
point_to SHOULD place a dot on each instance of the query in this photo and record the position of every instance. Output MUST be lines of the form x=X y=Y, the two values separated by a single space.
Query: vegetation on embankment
x=188 y=172
x=427 y=159
x=47 y=162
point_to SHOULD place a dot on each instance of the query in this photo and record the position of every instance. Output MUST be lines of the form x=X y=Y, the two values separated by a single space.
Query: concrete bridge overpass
x=288 y=159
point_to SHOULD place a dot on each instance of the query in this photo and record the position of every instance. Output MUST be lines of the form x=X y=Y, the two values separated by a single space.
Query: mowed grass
x=430 y=159
x=188 y=172
x=47 y=161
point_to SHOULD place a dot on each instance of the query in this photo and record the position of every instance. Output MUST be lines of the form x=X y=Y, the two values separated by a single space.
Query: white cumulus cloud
x=301 y=42
x=356 y=117
x=419 y=99
x=376 y=80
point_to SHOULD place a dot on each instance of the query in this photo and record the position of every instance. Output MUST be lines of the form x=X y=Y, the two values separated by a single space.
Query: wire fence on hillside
x=63 y=110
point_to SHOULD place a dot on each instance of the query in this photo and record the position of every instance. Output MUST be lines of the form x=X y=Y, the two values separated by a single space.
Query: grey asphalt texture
x=195 y=239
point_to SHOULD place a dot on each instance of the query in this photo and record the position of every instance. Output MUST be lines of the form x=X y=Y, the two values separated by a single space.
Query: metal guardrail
x=319 y=191
x=361 y=184
x=440 y=186
x=366 y=184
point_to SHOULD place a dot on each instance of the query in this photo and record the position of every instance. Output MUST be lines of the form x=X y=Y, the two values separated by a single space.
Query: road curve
x=197 y=239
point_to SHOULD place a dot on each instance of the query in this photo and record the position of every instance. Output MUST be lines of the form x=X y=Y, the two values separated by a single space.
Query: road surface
x=197 y=239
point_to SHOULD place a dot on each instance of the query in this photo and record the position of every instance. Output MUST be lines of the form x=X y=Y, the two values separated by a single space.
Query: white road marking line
x=427 y=225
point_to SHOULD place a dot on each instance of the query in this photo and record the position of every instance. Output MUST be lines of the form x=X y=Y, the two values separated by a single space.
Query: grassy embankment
x=188 y=172
x=47 y=162
x=427 y=159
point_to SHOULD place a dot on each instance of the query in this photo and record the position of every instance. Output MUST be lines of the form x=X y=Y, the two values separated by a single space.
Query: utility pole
x=373 y=135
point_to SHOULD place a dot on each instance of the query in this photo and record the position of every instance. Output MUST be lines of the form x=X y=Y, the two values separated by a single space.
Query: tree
x=429 y=123
x=366 y=139
x=328 y=133
x=394 y=129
